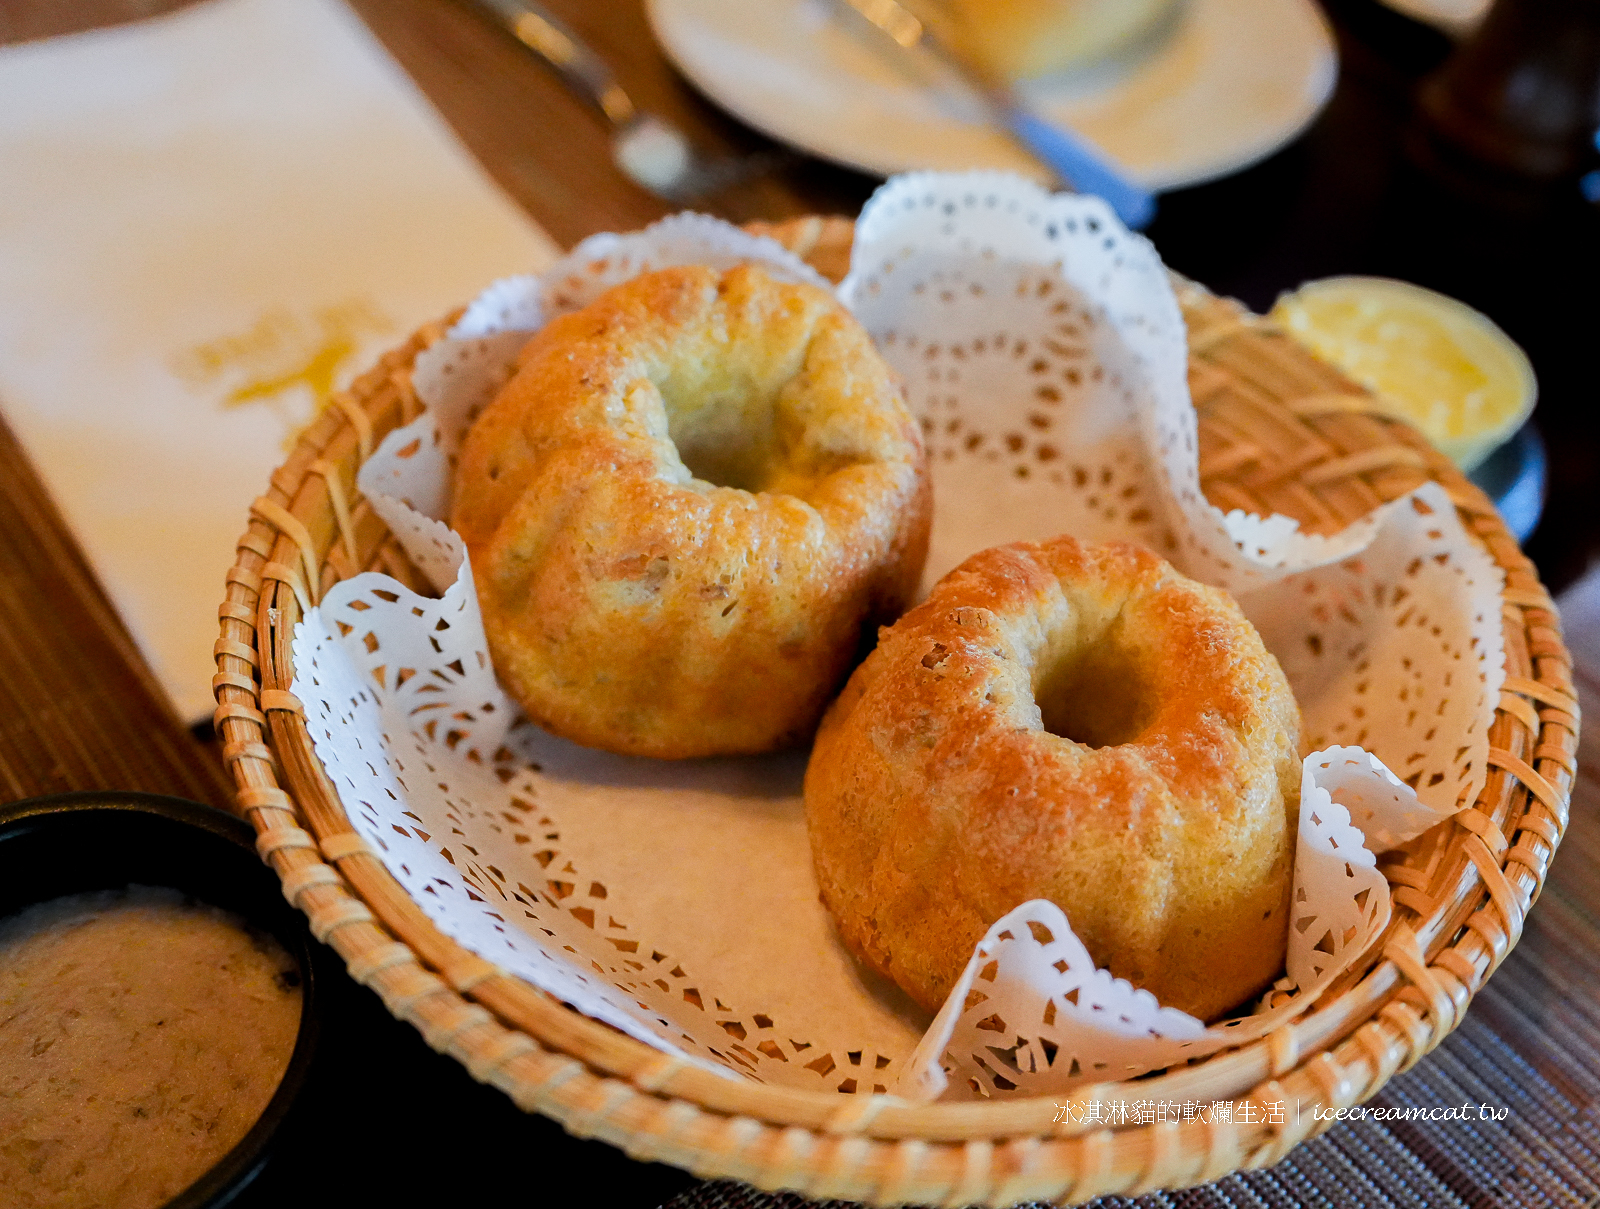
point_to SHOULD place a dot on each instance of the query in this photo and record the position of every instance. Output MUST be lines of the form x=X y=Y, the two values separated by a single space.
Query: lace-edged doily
x=1045 y=355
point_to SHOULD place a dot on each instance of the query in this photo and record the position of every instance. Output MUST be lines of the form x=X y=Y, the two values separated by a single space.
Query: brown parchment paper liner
x=1042 y=347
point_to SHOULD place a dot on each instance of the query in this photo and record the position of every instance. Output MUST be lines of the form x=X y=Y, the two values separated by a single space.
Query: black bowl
x=54 y=846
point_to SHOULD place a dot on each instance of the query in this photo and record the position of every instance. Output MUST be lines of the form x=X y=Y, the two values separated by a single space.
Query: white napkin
x=247 y=200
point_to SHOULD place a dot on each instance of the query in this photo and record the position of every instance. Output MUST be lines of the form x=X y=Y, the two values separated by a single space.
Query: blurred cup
x=1026 y=39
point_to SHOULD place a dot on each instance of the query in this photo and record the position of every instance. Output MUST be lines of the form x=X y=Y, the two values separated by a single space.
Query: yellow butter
x=1431 y=360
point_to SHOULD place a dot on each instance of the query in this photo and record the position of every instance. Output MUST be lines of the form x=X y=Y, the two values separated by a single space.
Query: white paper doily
x=1045 y=354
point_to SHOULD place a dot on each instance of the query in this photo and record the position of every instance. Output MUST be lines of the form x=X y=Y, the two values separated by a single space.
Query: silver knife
x=1074 y=162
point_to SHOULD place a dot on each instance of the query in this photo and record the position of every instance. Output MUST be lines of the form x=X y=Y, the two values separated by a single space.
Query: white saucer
x=1458 y=18
x=1234 y=81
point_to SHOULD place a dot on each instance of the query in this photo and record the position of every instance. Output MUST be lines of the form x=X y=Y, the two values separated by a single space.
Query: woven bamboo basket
x=1279 y=432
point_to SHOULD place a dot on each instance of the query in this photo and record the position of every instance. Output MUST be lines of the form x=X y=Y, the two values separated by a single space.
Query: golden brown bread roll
x=1073 y=722
x=686 y=509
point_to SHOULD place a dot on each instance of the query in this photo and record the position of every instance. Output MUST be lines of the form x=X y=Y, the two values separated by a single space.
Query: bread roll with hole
x=1073 y=722
x=686 y=509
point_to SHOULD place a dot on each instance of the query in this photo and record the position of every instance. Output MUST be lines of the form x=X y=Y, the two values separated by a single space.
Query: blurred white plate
x=1234 y=81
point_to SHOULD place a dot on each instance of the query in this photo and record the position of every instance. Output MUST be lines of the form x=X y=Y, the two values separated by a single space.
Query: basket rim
x=599 y=1082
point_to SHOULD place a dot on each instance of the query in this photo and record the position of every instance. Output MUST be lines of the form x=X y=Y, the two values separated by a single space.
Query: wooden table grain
x=79 y=709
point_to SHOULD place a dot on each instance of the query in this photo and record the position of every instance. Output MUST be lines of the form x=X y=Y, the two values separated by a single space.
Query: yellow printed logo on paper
x=291 y=362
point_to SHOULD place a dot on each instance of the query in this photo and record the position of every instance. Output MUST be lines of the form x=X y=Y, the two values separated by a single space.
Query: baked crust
x=937 y=800
x=685 y=510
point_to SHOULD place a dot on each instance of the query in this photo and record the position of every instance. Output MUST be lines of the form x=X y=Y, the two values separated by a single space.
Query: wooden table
x=79 y=709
